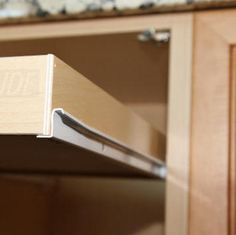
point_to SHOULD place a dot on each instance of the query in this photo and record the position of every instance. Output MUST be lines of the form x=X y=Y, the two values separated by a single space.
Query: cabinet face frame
x=211 y=210
x=179 y=93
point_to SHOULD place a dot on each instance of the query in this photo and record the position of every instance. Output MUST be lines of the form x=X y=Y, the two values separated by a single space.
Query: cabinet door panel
x=213 y=134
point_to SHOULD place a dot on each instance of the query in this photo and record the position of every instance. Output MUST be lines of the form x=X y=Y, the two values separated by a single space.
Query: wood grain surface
x=28 y=100
x=23 y=94
x=210 y=142
x=96 y=108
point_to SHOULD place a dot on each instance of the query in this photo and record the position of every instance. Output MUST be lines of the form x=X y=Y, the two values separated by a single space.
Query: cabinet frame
x=179 y=91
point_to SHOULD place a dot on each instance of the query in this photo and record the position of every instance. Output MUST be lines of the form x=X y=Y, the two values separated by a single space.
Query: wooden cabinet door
x=213 y=125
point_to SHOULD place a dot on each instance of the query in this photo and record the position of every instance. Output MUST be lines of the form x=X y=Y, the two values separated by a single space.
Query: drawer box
x=41 y=94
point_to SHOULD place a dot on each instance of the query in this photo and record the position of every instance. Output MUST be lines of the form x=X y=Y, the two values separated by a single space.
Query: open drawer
x=43 y=97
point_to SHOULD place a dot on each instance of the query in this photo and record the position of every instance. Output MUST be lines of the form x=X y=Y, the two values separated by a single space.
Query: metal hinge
x=152 y=34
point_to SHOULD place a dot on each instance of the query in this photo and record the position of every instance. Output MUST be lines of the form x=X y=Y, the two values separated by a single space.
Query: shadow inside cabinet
x=80 y=205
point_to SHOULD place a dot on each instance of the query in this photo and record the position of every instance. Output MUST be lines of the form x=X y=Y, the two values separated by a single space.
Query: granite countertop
x=18 y=11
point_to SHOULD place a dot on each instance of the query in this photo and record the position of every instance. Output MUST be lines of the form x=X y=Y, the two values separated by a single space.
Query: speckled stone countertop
x=18 y=11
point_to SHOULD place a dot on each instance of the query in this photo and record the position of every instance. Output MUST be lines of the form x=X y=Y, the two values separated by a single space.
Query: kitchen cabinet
x=184 y=88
